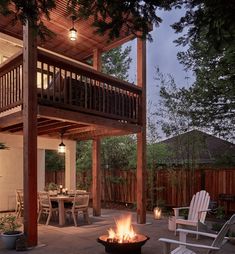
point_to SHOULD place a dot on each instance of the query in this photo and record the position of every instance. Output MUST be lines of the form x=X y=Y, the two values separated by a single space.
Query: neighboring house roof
x=200 y=148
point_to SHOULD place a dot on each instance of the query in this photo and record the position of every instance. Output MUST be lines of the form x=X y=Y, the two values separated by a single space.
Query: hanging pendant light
x=61 y=147
x=73 y=34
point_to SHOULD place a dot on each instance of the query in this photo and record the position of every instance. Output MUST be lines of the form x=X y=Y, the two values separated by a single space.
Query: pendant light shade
x=61 y=147
x=73 y=34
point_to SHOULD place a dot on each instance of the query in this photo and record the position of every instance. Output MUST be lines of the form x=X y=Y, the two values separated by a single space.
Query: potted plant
x=231 y=237
x=9 y=230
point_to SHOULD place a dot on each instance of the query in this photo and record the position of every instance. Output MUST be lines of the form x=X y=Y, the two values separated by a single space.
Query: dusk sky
x=162 y=52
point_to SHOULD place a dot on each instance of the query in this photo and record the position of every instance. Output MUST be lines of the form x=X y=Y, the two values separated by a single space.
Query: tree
x=174 y=109
x=54 y=161
x=211 y=55
x=116 y=62
x=209 y=19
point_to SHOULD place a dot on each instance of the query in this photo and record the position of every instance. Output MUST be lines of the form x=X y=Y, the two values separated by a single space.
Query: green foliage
x=209 y=19
x=210 y=37
x=34 y=11
x=54 y=161
x=156 y=154
x=116 y=62
x=51 y=186
x=110 y=16
x=84 y=155
x=116 y=153
x=216 y=227
x=220 y=213
x=8 y=223
x=85 y=184
x=173 y=110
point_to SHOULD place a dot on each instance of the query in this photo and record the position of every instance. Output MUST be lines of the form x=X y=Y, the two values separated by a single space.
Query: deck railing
x=11 y=92
x=62 y=83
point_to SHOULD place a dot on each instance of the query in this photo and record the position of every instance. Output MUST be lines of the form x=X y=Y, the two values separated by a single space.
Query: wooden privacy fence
x=168 y=187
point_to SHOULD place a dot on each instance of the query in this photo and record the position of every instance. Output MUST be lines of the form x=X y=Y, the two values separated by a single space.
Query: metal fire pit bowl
x=124 y=248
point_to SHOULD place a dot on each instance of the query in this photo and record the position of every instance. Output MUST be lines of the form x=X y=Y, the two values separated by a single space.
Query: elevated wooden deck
x=71 y=97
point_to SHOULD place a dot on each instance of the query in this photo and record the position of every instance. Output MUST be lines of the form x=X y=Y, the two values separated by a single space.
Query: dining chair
x=79 y=206
x=19 y=203
x=46 y=206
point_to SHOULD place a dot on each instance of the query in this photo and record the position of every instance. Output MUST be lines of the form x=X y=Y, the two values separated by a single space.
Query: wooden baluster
x=14 y=86
x=53 y=82
x=86 y=93
x=9 y=92
x=103 y=97
x=108 y=99
x=17 y=84
x=99 y=97
x=42 y=79
x=65 y=87
x=91 y=94
x=70 y=89
x=60 y=85
x=48 y=81
x=115 y=100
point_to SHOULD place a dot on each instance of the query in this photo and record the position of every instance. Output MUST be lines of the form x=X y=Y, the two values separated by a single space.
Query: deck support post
x=96 y=174
x=30 y=133
x=96 y=178
x=141 y=136
x=97 y=64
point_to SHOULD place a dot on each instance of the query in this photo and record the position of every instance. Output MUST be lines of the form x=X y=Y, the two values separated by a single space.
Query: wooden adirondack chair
x=216 y=245
x=197 y=211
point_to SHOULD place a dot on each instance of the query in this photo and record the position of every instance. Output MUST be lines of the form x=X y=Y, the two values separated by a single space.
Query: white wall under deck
x=11 y=166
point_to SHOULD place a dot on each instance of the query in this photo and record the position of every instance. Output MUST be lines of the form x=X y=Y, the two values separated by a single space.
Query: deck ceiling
x=60 y=24
x=50 y=127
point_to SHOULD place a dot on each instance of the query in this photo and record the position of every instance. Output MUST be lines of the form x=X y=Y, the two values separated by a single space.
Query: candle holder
x=157 y=213
x=61 y=188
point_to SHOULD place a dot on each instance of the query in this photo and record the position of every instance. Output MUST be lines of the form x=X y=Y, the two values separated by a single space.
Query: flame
x=124 y=231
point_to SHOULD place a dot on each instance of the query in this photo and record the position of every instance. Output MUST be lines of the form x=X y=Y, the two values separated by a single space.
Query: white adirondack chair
x=197 y=211
x=216 y=245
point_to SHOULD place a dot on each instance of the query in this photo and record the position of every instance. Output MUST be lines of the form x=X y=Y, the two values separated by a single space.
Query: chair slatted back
x=219 y=240
x=44 y=199
x=20 y=197
x=199 y=202
x=80 y=200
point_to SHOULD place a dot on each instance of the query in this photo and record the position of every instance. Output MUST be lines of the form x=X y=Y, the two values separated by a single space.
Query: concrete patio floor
x=82 y=239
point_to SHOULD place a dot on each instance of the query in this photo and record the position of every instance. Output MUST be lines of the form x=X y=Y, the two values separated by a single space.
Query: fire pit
x=124 y=240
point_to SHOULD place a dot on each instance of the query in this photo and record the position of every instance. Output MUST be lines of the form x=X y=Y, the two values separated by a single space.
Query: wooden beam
x=30 y=134
x=82 y=118
x=141 y=136
x=12 y=119
x=96 y=178
x=96 y=133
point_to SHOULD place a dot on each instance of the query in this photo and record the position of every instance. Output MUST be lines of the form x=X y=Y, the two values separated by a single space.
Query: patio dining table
x=61 y=199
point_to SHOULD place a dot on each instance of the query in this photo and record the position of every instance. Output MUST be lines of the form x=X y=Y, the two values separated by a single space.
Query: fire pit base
x=124 y=248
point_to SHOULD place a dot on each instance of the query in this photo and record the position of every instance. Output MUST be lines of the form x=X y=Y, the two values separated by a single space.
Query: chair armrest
x=203 y=211
x=196 y=232
x=177 y=209
x=166 y=240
